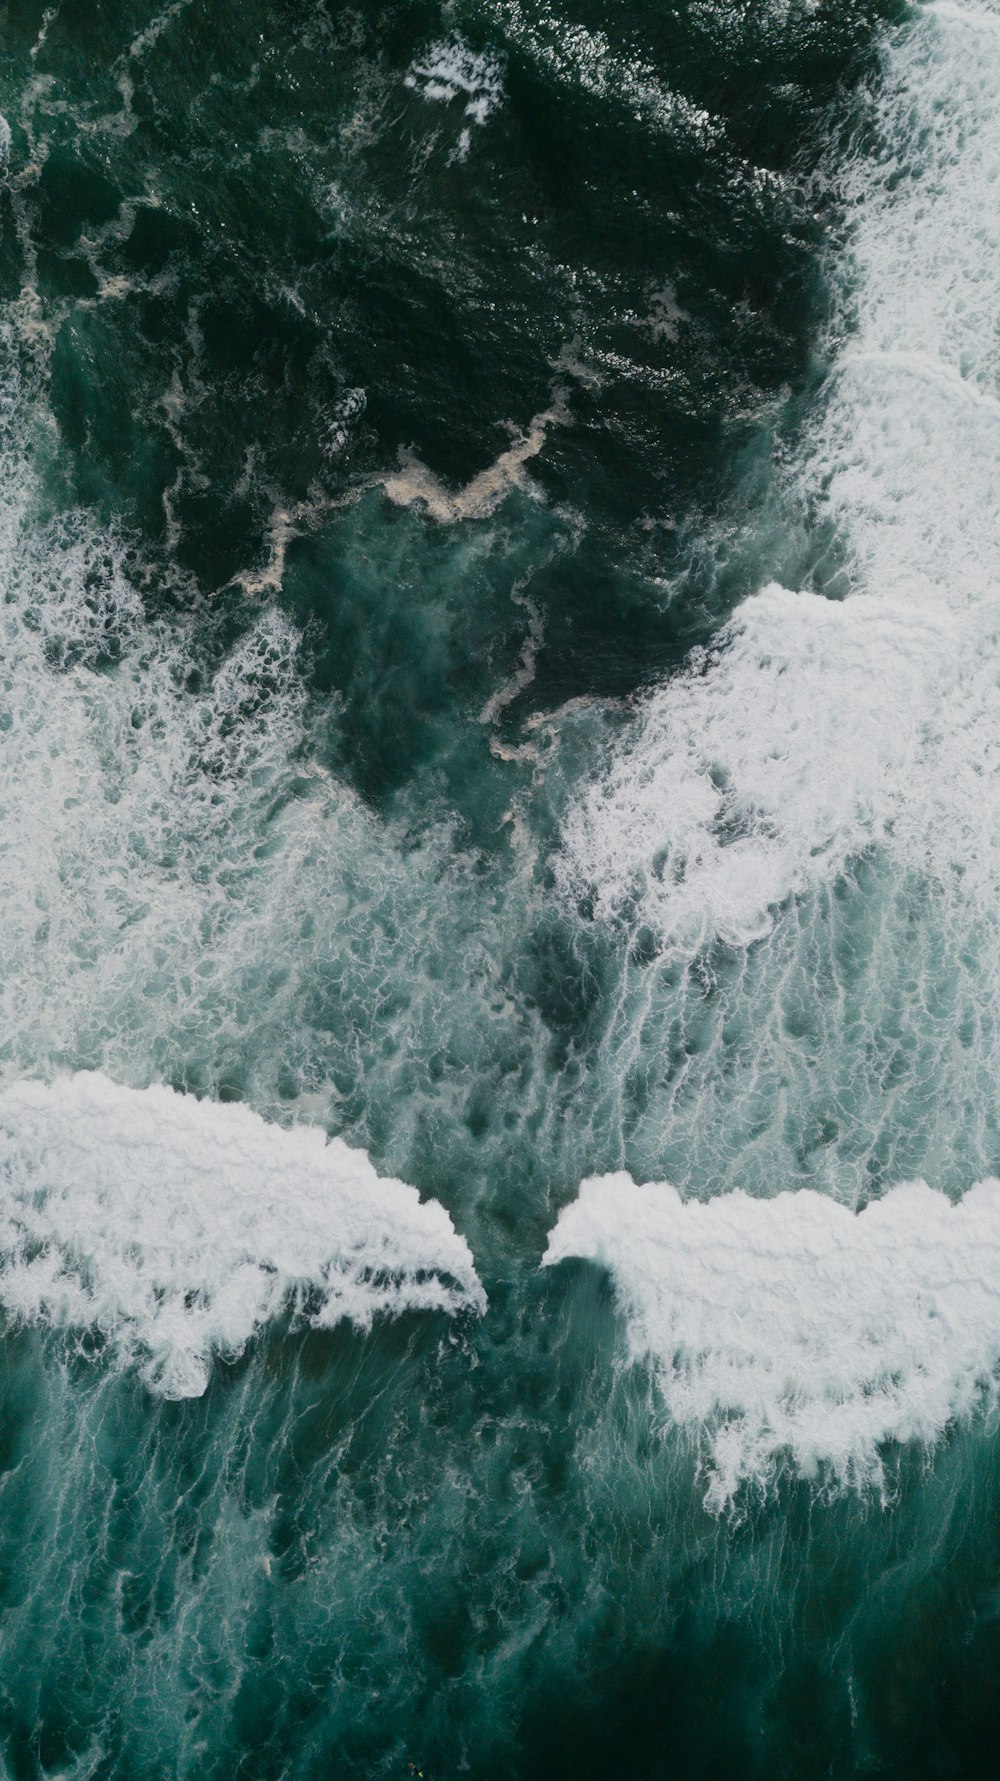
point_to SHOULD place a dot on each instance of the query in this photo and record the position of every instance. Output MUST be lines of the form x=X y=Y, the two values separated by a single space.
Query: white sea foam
x=750 y=777
x=177 y=1226
x=451 y=70
x=183 y=884
x=588 y=60
x=189 y=894
x=814 y=729
x=795 y=1329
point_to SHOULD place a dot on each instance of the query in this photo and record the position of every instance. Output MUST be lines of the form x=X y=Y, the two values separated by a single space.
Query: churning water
x=499 y=883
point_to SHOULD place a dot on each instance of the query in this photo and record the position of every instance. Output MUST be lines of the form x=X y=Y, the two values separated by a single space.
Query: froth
x=817 y=728
x=449 y=70
x=177 y=1226
x=583 y=58
x=414 y=485
x=793 y=1330
x=748 y=779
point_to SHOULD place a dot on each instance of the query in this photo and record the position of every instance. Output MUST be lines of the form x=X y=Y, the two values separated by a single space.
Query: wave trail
x=177 y=1227
x=794 y=1328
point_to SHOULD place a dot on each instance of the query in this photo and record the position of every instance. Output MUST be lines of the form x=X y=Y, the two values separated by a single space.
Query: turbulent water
x=499 y=888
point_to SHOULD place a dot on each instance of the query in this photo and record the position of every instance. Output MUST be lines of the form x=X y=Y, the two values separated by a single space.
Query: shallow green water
x=403 y=411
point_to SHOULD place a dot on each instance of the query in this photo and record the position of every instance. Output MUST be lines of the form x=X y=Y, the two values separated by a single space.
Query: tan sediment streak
x=413 y=483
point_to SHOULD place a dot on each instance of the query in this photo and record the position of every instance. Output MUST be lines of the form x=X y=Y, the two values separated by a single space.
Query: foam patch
x=177 y=1227
x=793 y=1329
x=818 y=727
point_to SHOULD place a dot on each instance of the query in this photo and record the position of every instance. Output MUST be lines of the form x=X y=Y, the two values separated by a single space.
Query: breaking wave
x=177 y=1227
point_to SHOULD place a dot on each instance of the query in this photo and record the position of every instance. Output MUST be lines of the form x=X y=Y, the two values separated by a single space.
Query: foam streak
x=795 y=1328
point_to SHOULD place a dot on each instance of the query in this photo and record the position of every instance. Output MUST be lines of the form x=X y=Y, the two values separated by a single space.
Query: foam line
x=793 y=1328
x=177 y=1227
x=580 y=58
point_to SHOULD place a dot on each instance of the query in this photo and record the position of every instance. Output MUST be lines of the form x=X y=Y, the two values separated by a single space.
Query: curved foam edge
x=177 y=1227
x=792 y=1329
x=817 y=728
x=722 y=801
x=414 y=485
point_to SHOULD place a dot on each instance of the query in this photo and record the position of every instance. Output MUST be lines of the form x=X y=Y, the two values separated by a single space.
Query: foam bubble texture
x=177 y=1226
x=793 y=1328
x=762 y=769
x=815 y=729
x=449 y=70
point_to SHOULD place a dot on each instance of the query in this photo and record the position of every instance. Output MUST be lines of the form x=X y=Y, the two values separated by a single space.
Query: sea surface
x=499 y=890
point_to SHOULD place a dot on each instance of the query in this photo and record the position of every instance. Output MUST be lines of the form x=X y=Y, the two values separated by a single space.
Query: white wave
x=748 y=778
x=189 y=892
x=177 y=1227
x=815 y=728
x=793 y=1328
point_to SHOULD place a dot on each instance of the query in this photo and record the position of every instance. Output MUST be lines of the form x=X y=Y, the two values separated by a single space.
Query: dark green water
x=403 y=411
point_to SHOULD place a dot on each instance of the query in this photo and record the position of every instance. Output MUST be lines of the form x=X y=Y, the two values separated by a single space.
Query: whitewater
x=843 y=729
x=173 y=852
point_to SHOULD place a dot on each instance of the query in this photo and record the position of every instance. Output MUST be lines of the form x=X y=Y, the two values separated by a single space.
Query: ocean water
x=499 y=886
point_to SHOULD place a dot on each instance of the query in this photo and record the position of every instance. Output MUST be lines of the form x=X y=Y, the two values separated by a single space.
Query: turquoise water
x=498 y=670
